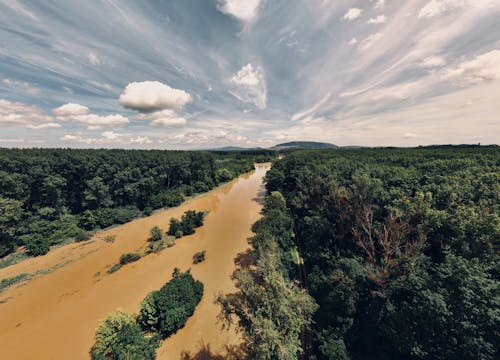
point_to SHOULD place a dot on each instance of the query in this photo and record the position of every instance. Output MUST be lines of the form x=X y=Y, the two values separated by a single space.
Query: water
x=55 y=316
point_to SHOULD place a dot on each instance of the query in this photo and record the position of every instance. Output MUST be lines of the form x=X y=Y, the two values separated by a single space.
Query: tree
x=156 y=233
x=175 y=228
x=119 y=337
x=36 y=245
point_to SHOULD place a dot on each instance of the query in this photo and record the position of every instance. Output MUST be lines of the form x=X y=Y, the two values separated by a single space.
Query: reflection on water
x=59 y=312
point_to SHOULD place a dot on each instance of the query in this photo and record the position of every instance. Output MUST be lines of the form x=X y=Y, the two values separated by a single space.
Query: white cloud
x=81 y=114
x=379 y=4
x=244 y=10
x=108 y=137
x=149 y=96
x=409 y=135
x=16 y=113
x=432 y=61
x=250 y=86
x=433 y=8
x=352 y=14
x=50 y=125
x=166 y=118
x=381 y=19
x=29 y=88
x=71 y=109
x=485 y=67
x=353 y=41
x=93 y=58
x=370 y=40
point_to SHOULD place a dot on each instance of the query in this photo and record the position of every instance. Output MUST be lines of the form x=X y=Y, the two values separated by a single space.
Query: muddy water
x=54 y=316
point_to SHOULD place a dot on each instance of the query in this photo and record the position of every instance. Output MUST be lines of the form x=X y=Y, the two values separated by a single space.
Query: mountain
x=234 y=148
x=303 y=145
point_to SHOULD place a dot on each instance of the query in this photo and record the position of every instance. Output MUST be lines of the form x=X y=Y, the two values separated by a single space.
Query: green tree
x=156 y=233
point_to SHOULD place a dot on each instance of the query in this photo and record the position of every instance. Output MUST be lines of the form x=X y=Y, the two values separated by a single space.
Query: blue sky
x=189 y=74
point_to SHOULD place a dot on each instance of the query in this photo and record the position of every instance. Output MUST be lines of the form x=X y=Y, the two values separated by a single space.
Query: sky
x=194 y=74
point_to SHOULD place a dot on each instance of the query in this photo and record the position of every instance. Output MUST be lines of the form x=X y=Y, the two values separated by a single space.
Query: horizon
x=203 y=75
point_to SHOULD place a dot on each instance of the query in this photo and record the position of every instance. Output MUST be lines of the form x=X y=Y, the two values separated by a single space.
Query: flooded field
x=54 y=316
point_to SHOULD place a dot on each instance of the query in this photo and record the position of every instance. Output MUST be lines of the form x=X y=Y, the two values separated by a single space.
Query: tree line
x=51 y=195
x=400 y=250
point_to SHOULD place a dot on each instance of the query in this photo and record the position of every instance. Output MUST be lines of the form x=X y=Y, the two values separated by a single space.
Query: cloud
x=352 y=14
x=81 y=114
x=71 y=109
x=167 y=118
x=250 y=86
x=244 y=10
x=370 y=40
x=26 y=86
x=433 y=61
x=93 y=58
x=353 y=41
x=16 y=113
x=381 y=19
x=108 y=138
x=379 y=4
x=149 y=96
x=433 y=8
x=409 y=135
x=43 y=126
x=485 y=67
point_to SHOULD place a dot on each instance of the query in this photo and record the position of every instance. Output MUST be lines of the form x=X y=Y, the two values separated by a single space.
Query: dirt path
x=54 y=316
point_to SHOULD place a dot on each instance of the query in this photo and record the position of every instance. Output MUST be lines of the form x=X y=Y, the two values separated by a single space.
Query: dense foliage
x=123 y=336
x=51 y=195
x=272 y=310
x=400 y=249
x=190 y=220
x=165 y=311
x=119 y=337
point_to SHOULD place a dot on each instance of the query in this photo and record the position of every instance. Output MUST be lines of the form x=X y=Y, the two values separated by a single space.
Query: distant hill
x=303 y=145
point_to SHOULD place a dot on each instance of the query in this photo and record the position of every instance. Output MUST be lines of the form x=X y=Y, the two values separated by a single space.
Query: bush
x=129 y=258
x=199 y=257
x=36 y=245
x=114 y=268
x=120 y=337
x=83 y=236
x=110 y=238
x=170 y=241
x=167 y=310
x=156 y=233
x=175 y=228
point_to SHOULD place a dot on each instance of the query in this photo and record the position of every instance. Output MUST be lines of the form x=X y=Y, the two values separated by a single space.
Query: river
x=54 y=316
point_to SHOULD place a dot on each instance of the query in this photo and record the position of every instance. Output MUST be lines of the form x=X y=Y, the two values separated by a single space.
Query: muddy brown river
x=54 y=316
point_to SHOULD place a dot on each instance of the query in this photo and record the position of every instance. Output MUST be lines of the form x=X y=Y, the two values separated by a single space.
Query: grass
x=12 y=259
x=5 y=283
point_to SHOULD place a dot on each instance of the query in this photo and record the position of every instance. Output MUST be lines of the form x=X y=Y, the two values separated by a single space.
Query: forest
x=397 y=249
x=48 y=196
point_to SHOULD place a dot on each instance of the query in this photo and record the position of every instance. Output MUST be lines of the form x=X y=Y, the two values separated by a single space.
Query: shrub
x=110 y=238
x=170 y=241
x=129 y=258
x=36 y=245
x=175 y=228
x=156 y=233
x=83 y=235
x=120 y=337
x=167 y=310
x=114 y=268
x=199 y=257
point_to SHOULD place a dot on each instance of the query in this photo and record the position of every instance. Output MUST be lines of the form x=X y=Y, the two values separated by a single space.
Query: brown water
x=54 y=316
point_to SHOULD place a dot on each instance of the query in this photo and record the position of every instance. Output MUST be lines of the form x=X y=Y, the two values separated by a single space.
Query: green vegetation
x=5 y=283
x=272 y=310
x=129 y=258
x=156 y=233
x=165 y=311
x=190 y=220
x=48 y=196
x=119 y=337
x=199 y=257
x=400 y=250
x=114 y=268
x=123 y=336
